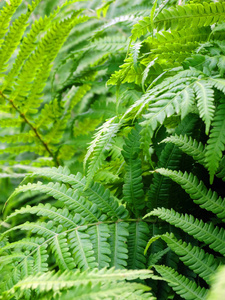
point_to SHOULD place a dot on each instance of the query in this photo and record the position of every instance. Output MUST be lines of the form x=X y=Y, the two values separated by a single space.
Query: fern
x=78 y=235
x=100 y=280
x=182 y=285
x=189 y=146
x=205 y=102
x=6 y=14
x=194 y=257
x=190 y=15
x=138 y=236
x=132 y=188
x=104 y=136
x=217 y=140
x=207 y=199
x=76 y=226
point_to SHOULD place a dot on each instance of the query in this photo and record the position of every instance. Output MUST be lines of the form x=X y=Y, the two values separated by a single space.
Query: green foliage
x=112 y=113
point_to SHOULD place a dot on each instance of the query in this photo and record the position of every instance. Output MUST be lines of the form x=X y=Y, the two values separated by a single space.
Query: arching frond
x=194 y=257
x=207 y=233
x=207 y=199
x=181 y=284
x=103 y=281
x=190 y=15
x=189 y=146
x=99 y=146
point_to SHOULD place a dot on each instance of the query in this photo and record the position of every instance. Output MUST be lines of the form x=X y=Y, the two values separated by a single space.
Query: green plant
x=155 y=162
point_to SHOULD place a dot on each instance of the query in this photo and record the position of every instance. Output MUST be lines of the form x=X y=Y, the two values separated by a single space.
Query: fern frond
x=219 y=83
x=183 y=36
x=41 y=58
x=216 y=142
x=40 y=254
x=170 y=156
x=196 y=189
x=190 y=15
x=63 y=216
x=99 y=235
x=154 y=258
x=29 y=43
x=62 y=252
x=82 y=249
x=133 y=186
x=100 y=145
x=221 y=170
x=188 y=145
x=184 y=287
x=69 y=248
x=207 y=233
x=194 y=257
x=14 y=36
x=135 y=52
x=118 y=244
x=94 y=283
x=136 y=241
x=216 y=291
x=71 y=198
x=129 y=19
x=205 y=103
x=110 y=43
x=6 y=15
x=141 y=28
x=95 y=192
x=165 y=106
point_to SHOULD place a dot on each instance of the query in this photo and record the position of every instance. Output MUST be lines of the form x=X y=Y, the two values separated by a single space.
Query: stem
x=33 y=128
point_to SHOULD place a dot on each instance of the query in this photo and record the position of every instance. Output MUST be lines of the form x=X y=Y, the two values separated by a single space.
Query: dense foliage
x=112 y=114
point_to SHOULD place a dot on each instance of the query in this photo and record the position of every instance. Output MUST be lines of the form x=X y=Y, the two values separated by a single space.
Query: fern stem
x=33 y=128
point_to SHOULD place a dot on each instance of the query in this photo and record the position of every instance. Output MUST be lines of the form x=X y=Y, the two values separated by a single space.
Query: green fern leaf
x=118 y=244
x=136 y=241
x=188 y=145
x=194 y=257
x=63 y=216
x=14 y=36
x=95 y=284
x=141 y=28
x=100 y=145
x=110 y=43
x=95 y=192
x=215 y=144
x=121 y=19
x=41 y=59
x=6 y=15
x=205 y=103
x=99 y=235
x=159 y=192
x=62 y=252
x=219 y=83
x=29 y=44
x=70 y=197
x=190 y=15
x=207 y=233
x=154 y=258
x=206 y=199
x=82 y=249
x=181 y=285
x=133 y=186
